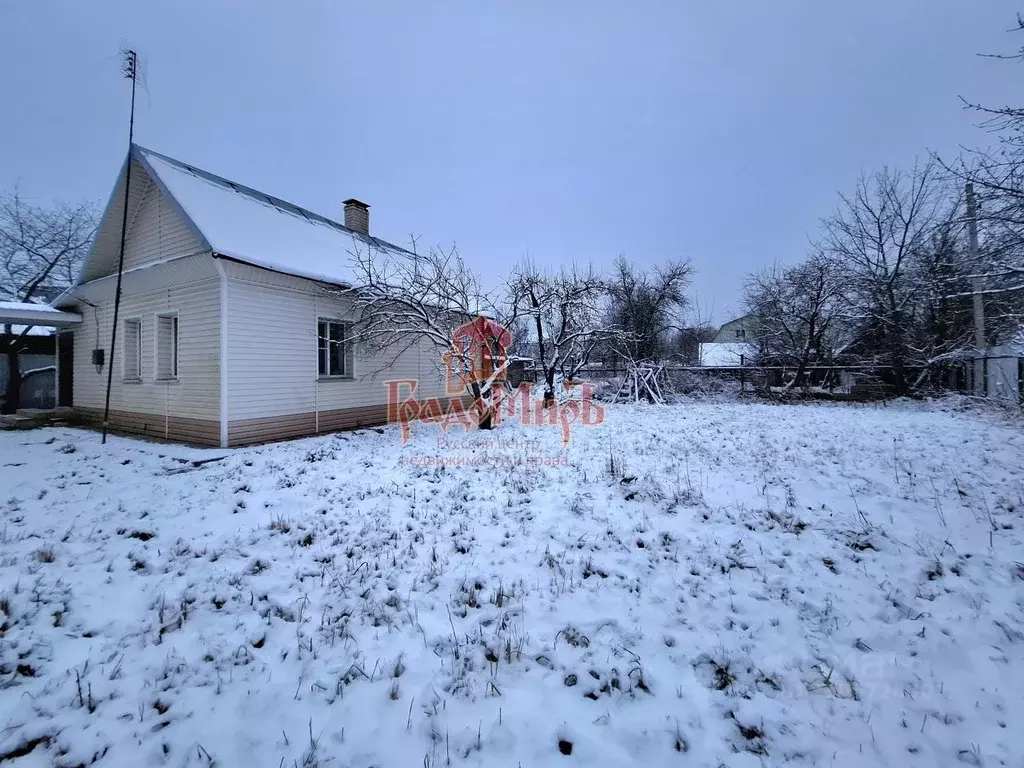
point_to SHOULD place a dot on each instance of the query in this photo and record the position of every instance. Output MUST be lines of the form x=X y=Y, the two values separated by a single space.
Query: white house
x=231 y=326
x=727 y=354
x=742 y=329
x=734 y=344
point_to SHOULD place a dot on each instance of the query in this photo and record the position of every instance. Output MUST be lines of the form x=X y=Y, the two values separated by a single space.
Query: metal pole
x=979 y=305
x=131 y=66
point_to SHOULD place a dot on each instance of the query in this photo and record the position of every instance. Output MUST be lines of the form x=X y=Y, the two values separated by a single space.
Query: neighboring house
x=734 y=345
x=742 y=329
x=727 y=354
x=232 y=326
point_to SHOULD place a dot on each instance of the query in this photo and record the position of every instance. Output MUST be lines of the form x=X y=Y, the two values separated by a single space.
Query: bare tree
x=647 y=305
x=688 y=341
x=797 y=309
x=684 y=344
x=403 y=300
x=874 y=237
x=998 y=176
x=41 y=249
x=1000 y=172
x=942 y=326
x=565 y=313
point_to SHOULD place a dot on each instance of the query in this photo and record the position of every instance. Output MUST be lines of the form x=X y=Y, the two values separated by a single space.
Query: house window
x=741 y=334
x=132 y=350
x=167 y=347
x=333 y=348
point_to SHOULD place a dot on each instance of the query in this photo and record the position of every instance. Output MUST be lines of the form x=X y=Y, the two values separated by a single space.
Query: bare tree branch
x=41 y=250
x=404 y=300
x=566 y=314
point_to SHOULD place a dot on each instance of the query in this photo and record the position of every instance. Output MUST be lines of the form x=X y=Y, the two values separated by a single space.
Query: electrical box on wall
x=97 y=357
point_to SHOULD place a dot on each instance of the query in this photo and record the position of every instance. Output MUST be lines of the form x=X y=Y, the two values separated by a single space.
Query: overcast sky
x=717 y=132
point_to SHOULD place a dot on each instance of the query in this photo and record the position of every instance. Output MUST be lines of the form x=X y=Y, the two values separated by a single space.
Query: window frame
x=175 y=347
x=125 y=378
x=347 y=358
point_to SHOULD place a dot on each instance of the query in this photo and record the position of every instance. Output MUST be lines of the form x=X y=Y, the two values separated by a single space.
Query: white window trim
x=347 y=358
x=156 y=347
x=138 y=352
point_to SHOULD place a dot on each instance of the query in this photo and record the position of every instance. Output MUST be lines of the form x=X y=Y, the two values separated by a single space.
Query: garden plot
x=700 y=584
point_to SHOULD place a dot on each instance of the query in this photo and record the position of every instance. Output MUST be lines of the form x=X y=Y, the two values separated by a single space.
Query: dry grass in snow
x=699 y=584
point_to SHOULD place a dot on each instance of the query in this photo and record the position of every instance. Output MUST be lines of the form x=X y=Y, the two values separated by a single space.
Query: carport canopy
x=22 y=313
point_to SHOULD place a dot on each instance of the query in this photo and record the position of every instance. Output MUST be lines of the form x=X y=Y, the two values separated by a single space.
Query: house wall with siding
x=186 y=409
x=728 y=332
x=274 y=390
x=156 y=230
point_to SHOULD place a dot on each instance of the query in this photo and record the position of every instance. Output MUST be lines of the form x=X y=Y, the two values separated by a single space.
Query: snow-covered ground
x=698 y=584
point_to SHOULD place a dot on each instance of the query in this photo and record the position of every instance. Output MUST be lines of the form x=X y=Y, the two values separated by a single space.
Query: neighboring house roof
x=726 y=354
x=741 y=319
x=240 y=223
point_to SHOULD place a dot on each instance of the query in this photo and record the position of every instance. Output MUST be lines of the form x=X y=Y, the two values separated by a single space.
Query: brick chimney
x=357 y=216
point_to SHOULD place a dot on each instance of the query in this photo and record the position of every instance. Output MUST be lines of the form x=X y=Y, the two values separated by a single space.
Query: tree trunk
x=486 y=419
x=805 y=359
x=801 y=372
x=549 y=388
x=896 y=358
x=896 y=349
x=485 y=409
x=13 y=394
x=899 y=376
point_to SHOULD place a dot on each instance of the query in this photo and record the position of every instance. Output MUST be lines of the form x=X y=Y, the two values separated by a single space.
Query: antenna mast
x=129 y=69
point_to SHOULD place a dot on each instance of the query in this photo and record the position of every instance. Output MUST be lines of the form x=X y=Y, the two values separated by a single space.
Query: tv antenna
x=130 y=71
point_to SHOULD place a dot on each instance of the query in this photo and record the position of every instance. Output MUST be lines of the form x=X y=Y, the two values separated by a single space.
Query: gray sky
x=718 y=132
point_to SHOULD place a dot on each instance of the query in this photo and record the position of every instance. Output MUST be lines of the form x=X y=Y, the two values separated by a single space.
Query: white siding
x=272 y=351
x=156 y=231
x=196 y=393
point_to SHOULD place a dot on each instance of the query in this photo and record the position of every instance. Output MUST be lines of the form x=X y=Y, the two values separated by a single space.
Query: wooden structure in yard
x=641 y=381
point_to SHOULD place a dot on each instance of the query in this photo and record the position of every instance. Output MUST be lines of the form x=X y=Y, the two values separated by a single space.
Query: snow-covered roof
x=27 y=313
x=33 y=330
x=726 y=354
x=25 y=306
x=241 y=223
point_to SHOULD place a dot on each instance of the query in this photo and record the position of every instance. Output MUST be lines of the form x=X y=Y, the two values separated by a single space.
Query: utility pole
x=129 y=69
x=980 y=343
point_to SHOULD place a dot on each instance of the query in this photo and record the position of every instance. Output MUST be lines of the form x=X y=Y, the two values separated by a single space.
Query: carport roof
x=25 y=313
